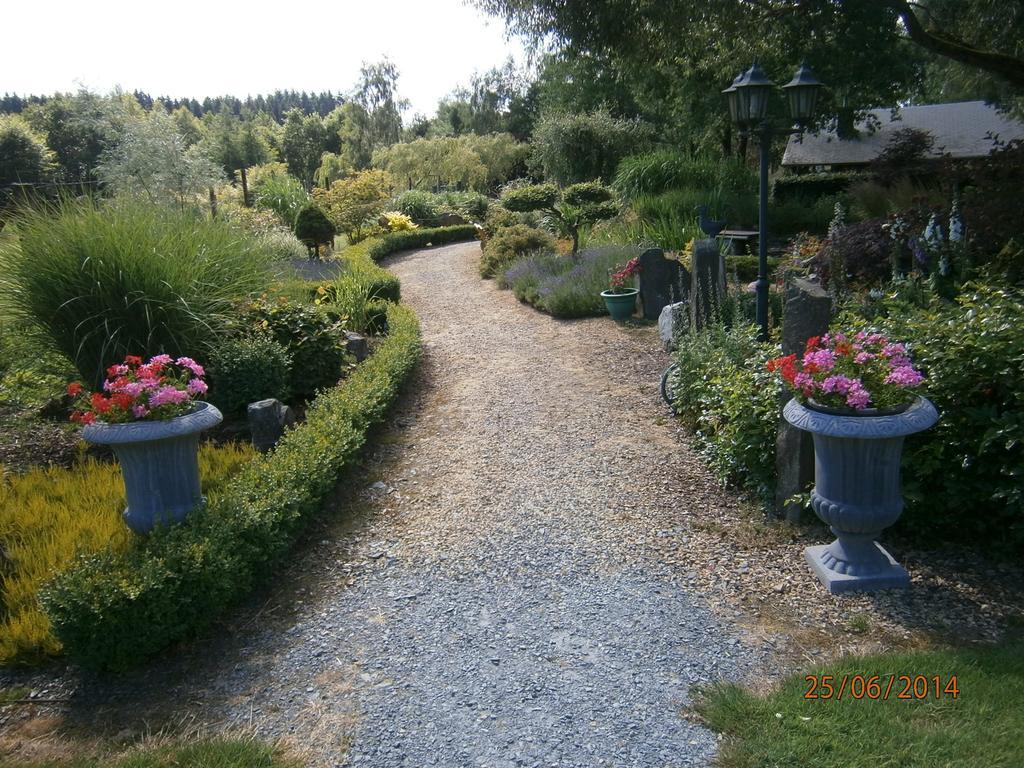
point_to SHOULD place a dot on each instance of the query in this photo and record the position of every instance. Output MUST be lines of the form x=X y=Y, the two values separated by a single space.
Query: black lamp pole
x=748 y=107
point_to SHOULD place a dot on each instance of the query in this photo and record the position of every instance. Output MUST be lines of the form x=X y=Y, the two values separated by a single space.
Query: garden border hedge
x=418 y=238
x=111 y=611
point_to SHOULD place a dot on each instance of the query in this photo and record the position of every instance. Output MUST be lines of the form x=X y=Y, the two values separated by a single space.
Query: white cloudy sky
x=209 y=47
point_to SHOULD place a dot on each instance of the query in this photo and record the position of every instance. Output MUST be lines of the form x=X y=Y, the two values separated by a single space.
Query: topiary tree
x=314 y=229
x=569 y=209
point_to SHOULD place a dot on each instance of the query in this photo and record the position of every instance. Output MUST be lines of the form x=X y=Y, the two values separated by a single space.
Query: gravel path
x=499 y=609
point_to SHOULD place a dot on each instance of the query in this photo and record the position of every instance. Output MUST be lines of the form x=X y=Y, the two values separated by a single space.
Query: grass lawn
x=203 y=753
x=982 y=726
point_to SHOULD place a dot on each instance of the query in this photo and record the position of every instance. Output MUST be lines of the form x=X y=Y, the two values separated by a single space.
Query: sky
x=204 y=48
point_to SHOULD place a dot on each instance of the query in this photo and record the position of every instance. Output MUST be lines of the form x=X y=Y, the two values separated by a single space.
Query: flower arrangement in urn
x=157 y=390
x=148 y=413
x=860 y=373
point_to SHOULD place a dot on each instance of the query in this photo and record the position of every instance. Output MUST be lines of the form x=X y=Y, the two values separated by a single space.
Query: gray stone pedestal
x=890 y=574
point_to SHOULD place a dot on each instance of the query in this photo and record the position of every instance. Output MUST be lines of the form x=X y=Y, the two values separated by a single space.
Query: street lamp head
x=753 y=88
x=733 y=97
x=802 y=92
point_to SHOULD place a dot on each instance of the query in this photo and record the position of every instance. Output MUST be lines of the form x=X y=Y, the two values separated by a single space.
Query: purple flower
x=858 y=397
x=197 y=386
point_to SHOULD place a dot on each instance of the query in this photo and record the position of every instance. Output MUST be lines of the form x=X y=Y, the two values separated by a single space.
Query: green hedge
x=418 y=238
x=111 y=611
x=814 y=185
x=360 y=264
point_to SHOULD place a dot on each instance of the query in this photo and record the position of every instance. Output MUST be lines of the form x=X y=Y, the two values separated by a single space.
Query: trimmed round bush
x=127 y=277
x=248 y=368
x=508 y=244
x=313 y=228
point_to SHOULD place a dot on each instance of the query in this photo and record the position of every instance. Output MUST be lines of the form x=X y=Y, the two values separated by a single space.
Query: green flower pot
x=620 y=305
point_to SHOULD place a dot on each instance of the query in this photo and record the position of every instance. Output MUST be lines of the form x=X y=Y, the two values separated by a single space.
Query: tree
x=303 y=143
x=236 y=145
x=581 y=147
x=377 y=93
x=152 y=159
x=352 y=202
x=476 y=162
x=24 y=158
x=332 y=167
x=569 y=209
x=356 y=135
x=313 y=229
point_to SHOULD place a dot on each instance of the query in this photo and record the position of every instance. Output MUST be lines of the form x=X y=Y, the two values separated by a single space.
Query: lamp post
x=748 y=98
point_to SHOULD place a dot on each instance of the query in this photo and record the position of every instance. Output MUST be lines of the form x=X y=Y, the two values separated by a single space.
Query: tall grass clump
x=128 y=277
x=653 y=173
x=49 y=516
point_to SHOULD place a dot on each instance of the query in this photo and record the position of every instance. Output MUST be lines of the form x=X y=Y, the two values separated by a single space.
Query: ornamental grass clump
x=858 y=372
x=106 y=279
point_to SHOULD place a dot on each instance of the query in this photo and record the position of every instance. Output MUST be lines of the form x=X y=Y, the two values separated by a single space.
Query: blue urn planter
x=857 y=490
x=620 y=305
x=160 y=464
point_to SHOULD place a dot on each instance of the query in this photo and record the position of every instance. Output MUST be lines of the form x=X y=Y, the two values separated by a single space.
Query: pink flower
x=822 y=360
x=904 y=376
x=140 y=411
x=862 y=357
x=858 y=398
x=133 y=388
x=160 y=360
x=894 y=350
x=197 y=386
x=167 y=396
x=192 y=365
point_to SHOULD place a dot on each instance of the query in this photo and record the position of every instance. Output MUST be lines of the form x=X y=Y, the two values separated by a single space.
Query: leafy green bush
x=418 y=238
x=248 y=368
x=471 y=205
x=745 y=268
x=510 y=243
x=313 y=340
x=112 y=610
x=963 y=477
x=127 y=277
x=654 y=173
x=313 y=228
x=283 y=245
x=563 y=286
x=724 y=394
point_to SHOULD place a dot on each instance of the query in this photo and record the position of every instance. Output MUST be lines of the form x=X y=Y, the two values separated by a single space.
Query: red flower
x=132 y=360
x=122 y=400
x=812 y=343
x=100 y=403
x=88 y=418
x=74 y=389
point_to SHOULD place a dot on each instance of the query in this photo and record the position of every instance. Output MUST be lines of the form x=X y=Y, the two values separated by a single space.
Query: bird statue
x=710 y=226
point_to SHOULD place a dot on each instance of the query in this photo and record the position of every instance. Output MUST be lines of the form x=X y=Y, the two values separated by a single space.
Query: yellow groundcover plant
x=49 y=516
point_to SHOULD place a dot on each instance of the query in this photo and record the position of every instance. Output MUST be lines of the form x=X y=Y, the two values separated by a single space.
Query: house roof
x=964 y=129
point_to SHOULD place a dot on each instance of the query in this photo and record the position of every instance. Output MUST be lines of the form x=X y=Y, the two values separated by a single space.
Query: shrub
x=745 y=268
x=396 y=221
x=355 y=202
x=127 y=277
x=180 y=580
x=51 y=515
x=248 y=368
x=972 y=353
x=725 y=396
x=313 y=228
x=312 y=339
x=471 y=205
x=568 y=210
x=404 y=241
x=862 y=251
x=510 y=243
x=282 y=245
x=563 y=286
